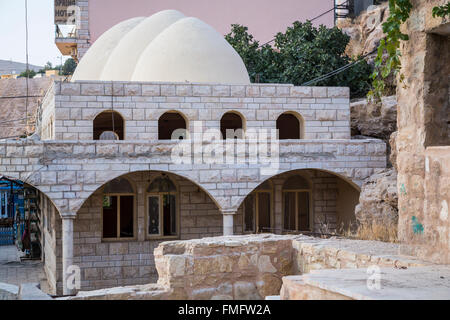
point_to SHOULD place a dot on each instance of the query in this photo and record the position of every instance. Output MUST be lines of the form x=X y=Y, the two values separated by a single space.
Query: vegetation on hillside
x=302 y=53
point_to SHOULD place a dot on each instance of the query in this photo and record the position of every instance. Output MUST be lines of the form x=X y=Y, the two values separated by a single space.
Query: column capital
x=68 y=215
x=229 y=211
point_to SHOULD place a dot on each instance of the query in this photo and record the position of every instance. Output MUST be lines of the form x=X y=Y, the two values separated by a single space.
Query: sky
x=41 y=32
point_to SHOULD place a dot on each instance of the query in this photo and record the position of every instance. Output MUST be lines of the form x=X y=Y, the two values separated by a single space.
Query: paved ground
x=13 y=271
x=417 y=283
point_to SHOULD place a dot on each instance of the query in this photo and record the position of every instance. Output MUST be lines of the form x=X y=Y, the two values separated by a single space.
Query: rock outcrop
x=378 y=120
x=378 y=201
x=365 y=31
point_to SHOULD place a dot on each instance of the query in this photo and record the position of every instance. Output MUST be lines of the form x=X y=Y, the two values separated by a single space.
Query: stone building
x=126 y=164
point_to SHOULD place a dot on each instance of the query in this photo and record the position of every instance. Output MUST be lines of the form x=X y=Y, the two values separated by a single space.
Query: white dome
x=92 y=63
x=122 y=61
x=190 y=50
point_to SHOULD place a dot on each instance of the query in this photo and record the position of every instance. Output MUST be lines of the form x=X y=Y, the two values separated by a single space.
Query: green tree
x=301 y=54
x=27 y=74
x=69 y=67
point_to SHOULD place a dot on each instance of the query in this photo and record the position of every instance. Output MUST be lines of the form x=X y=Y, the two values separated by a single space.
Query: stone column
x=67 y=249
x=228 y=222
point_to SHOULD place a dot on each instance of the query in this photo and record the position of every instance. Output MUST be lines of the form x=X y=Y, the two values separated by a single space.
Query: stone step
x=417 y=283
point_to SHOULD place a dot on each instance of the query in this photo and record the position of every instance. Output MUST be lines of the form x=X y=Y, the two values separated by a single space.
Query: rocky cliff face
x=378 y=201
x=365 y=30
x=378 y=120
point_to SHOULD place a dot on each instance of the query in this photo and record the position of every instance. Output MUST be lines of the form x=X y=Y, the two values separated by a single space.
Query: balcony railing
x=59 y=34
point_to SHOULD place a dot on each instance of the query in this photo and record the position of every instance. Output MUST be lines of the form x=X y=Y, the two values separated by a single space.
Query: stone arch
x=114 y=175
x=346 y=190
x=290 y=119
x=235 y=119
x=57 y=203
x=170 y=121
x=109 y=121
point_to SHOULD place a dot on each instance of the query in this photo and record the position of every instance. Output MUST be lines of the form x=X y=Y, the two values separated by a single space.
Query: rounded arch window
x=172 y=124
x=231 y=126
x=118 y=216
x=162 y=208
x=289 y=127
x=296 y=204
x=109 y=125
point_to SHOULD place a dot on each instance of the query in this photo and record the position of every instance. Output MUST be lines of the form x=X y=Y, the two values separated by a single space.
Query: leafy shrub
x=302 y=53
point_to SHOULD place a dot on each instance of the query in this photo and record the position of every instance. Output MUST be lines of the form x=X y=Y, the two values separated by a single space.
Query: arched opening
x=231 y=126
x=258 y=209
x=109 y=125
x=118 y=209
x=170 y=123
x=296 y=204
x=162 y=218
x=303 y=200
x=289 y=126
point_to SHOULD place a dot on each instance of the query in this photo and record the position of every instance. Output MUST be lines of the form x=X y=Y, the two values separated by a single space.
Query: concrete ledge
x=31 y=291
x=8 y=291
x=418 y=283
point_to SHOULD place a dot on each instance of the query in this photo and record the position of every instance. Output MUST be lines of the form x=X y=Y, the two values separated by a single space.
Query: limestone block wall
x=51 y=242
x=249 y=267
x=246 y=268
x=324 y=110
x=422 y=121
x=437 y=194
x=83 y=36
x=46 y=115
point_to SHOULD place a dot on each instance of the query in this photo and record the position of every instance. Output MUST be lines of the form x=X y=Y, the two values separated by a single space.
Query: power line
x=338 y=70
x=21 y=97
x=27 y=68
x=310 y=20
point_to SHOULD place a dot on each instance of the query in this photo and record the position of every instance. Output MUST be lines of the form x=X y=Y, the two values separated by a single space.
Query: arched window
x=162 y=207
x=258 y=209
x=108 y=125
x=231 y=126
x=118 y=209
x=289 y=127
x=296 y=204
x=168 y=123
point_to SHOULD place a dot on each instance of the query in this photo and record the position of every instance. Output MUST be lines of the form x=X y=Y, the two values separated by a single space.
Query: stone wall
x=51 y=242
x=46 y=116
x=232 y=268
x=83 y=36
x=423 y=123
x=248 y=267
x=324 y=111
